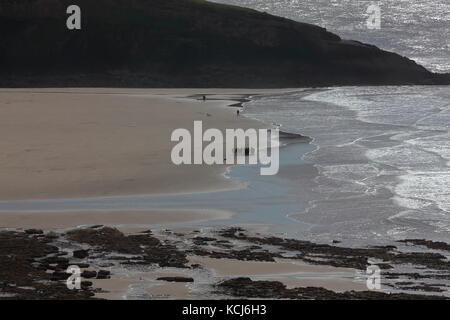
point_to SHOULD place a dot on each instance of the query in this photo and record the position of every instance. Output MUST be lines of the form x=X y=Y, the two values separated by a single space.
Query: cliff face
x=183 y=43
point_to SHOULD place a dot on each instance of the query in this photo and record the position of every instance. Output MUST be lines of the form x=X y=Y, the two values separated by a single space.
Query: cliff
x=184 y=43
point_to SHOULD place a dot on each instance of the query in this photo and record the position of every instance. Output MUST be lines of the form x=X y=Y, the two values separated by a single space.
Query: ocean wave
x=381 y=152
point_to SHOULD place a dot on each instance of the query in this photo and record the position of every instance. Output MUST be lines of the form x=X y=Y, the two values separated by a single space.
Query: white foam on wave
x=419 y=157
x=386 y=149
x=420 y=190
x=403 y=156
x=350 y=177
x=438 y=144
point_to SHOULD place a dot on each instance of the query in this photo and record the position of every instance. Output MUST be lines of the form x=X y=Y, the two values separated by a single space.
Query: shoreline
x=31 y=168
x=215 y=256
x=33 y=209
x=125 y=219
x=221 y=102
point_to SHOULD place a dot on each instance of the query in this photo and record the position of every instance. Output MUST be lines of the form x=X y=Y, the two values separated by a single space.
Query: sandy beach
x=89 y=143
x=106 y=142
x=68 y=143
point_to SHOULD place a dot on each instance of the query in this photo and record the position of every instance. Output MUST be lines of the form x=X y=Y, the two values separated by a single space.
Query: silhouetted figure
x=238 y=112
x=204 y=98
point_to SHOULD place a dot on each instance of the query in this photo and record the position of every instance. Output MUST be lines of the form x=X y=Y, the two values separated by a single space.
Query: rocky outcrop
x=184 y=43
x=176 y=279
x=31 y=267
x=35 y=266
x=247 y=288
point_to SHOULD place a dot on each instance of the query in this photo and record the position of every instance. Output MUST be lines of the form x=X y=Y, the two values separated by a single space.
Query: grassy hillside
x=183 y=43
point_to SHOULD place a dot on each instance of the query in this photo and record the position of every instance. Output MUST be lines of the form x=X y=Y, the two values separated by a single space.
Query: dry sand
x=89 y=142
x=66 y=143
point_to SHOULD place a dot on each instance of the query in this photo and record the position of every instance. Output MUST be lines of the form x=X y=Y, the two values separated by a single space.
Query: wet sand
x=50 y=220
x=292 y=274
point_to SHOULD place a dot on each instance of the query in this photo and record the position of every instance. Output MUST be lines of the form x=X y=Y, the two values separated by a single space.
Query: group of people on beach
x=238 y=112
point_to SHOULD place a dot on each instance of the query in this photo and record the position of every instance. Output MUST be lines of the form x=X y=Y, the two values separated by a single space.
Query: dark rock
x=202 y=240
x=22 y=263
x=88 y=274
x=324 y=254
x=103 y=274
x=426 y=287
x=86 y=284
x=62 y=266
x=56 y=260
x=81 y=254
x=247 y=288
x=244 y=255
x=176 y=279
x=59 y=275
x=147 y=248
x=52 y=236
x=437 y=245
x=205 y=239
x=34 y=231
x=223 y=241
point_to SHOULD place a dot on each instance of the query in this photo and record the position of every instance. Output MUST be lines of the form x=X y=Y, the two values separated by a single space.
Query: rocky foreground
x=33 y=263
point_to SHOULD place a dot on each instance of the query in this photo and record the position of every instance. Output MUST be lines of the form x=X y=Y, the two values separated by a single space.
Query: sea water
x=382 y=156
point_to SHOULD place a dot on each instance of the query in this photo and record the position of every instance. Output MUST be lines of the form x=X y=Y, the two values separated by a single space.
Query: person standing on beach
x=238 y=112
x=204 y=98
